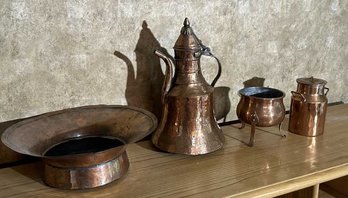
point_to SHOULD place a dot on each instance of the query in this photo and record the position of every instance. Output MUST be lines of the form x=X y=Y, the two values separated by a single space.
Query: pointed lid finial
x=187 y=39
x=186 y=22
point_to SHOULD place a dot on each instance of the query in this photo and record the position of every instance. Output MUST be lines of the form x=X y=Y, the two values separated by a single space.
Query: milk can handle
x=327 y=90
x=301 y=95
x=207 y=52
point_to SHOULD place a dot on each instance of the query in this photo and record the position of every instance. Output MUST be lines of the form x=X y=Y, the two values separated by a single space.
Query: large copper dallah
x=82 y=147
x=308 y=107
x=188 y=125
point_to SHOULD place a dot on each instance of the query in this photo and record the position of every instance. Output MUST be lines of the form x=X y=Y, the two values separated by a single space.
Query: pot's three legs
x=252 y=135
x=254 y=120
x=280 y=131
x=242 y=126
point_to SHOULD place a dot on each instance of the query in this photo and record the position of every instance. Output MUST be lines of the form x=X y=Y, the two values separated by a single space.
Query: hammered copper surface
x=188 y=125
x=82 y=178
x=260 y=106
x=308 y=107
x=86 y=170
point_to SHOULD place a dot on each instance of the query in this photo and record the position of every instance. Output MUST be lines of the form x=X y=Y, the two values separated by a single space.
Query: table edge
x=296 y=183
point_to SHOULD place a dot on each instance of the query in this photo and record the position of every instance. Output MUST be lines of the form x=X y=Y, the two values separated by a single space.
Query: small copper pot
x=260 y=106
x=308 y=107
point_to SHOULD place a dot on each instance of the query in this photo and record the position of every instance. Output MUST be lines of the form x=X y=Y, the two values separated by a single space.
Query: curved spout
x=168 y=78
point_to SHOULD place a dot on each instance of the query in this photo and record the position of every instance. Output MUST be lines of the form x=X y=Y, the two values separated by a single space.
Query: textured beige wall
x=60 y=54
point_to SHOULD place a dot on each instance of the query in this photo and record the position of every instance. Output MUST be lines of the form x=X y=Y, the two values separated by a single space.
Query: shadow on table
x=33 y=171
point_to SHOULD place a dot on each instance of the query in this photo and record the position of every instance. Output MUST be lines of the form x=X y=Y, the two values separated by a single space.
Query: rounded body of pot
x=262 y=106
x=308 y=107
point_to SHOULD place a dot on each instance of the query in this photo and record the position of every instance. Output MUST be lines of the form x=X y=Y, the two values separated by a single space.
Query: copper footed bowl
x=82 y=147
x=260 y=106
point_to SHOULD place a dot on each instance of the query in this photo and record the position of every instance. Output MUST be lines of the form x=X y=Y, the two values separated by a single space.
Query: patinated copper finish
x=308 y=107
x=85 y=170
x=260 y=106
x=188 y=125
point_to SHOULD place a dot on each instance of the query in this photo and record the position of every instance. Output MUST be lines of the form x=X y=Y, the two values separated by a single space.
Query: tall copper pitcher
x=188 y=125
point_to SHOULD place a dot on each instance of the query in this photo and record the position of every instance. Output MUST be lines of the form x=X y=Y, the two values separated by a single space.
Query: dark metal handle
x=219 y=72
x=207 y=52
x=327 y=90
x=168 y=78
x=301 y=95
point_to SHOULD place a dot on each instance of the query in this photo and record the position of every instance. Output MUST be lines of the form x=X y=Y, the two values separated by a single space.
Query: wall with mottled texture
x=61 y=54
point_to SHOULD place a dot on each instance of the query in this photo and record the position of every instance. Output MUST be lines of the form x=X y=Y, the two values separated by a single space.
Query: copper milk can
x=187 y=125
x=308 y=107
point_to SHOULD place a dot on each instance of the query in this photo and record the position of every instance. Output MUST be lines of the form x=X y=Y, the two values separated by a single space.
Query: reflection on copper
x=267 y=166
x=313 y=143
x=311 y=152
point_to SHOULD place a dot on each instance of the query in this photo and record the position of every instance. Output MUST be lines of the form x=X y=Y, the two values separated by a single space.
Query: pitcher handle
x=168 y=78
x=327 y=90
x=218 y=73
x=207 y=52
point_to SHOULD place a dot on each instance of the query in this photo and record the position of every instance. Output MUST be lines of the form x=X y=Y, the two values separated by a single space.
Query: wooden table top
x=274 y=166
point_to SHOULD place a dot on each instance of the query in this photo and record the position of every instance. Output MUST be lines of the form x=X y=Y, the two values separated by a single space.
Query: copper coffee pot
x=188 y=125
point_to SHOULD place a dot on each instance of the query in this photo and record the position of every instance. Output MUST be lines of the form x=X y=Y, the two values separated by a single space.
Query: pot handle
x=219 y=72
x=327 y=90
x=168 y=78
x=301 y=95
x=207 y=52
x=254 y=118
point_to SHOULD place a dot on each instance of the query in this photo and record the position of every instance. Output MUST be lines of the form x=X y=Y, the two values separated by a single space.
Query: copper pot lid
x=60 y=137
x=187 y=39
x=311 y=81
